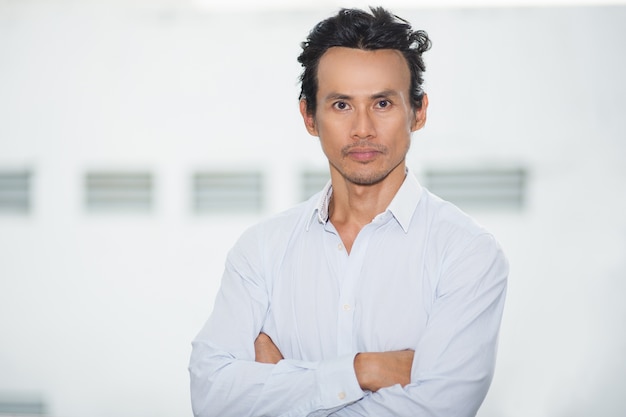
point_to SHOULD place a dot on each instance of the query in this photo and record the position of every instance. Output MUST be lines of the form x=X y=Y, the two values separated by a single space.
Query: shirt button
x=341 y=395
x=340 y=246
x=347 y=307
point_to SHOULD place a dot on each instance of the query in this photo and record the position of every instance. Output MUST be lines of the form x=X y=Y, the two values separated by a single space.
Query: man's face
x=364 y=117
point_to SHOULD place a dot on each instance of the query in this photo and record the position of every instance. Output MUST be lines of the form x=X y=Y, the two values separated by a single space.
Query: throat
x=348 y=236
x=348 y=221
x=348 y=231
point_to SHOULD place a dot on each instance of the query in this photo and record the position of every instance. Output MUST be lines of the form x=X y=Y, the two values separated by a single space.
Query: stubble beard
x=366 y=176
x=365 y=172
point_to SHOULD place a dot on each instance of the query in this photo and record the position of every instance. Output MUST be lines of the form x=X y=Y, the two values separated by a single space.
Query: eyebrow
x=381 y=94
x=385 y=93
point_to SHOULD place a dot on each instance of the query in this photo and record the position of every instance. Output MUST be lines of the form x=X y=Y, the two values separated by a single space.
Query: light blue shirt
x=421 y=276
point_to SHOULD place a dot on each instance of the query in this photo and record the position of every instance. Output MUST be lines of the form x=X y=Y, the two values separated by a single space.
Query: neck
x=353 y=206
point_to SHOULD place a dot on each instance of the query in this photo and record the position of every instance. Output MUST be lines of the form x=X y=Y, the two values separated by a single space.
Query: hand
x=376 y=370
x=265 y=350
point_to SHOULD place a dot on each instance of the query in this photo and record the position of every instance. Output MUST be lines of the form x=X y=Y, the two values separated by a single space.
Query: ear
x=420 y=115
x=309 y=119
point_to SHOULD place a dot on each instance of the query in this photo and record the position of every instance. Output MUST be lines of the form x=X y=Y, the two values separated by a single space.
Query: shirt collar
x=405 y=201
x=402 y=205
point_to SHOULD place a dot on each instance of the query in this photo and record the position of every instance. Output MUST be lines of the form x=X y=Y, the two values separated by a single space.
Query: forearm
x=376 y=370
x=454 y=390
x=222 y=385
x=373 y=370
x=422 y=398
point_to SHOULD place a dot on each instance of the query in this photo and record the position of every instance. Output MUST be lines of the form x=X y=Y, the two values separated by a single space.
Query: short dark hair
x=355 y=28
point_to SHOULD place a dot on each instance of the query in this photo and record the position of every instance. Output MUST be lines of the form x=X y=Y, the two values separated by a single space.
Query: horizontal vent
x=118 y=191
x=15 y=192
x=228 y=192
x=484 y=188
x=312 y=182
x=21 y=406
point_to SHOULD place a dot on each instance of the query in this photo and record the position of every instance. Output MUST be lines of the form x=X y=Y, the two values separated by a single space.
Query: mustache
x=364 y=144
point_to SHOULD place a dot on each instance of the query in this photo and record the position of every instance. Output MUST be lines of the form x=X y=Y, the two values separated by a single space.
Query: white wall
x=97 y=311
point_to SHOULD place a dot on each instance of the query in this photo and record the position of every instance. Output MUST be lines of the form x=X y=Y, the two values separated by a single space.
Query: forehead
x=350 y=70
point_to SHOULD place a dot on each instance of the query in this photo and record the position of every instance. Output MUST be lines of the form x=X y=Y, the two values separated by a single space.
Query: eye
x=340 y=105
x=382 y=104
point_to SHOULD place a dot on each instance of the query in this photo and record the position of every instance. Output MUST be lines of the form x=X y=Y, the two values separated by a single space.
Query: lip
x=363 y=155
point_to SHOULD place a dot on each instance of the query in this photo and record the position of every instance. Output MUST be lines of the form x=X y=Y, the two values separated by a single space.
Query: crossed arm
x=374 y=370
x=447 y=373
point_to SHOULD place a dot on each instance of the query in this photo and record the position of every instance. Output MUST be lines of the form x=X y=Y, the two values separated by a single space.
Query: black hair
x=355 y=28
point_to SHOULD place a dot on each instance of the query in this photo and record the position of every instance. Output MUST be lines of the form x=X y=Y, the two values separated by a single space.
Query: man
x=375 y=297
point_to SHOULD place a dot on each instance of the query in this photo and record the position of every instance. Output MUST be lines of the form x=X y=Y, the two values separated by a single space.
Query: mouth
x=363 y=155
x=363 y=151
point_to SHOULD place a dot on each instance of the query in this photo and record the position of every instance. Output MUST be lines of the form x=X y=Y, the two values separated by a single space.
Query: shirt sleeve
x=226 y=380
x=455 y=359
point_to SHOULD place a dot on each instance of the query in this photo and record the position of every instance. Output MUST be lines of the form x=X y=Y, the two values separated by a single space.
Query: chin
x=366 y=178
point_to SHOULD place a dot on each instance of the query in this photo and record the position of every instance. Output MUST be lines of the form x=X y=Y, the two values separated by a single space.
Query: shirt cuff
x=337 y=382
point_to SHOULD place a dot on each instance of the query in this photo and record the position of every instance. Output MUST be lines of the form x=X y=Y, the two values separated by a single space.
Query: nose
x=362 y=125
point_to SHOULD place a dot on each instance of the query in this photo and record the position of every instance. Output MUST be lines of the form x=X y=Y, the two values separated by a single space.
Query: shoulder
x=460 y=248
x=274 y=231
x=452 y=231
x=445 y=216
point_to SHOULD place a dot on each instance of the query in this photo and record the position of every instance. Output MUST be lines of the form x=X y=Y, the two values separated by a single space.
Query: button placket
x=347 y=295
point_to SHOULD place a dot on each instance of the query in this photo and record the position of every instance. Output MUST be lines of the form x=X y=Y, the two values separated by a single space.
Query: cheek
x=399 y=130
x=330 y=134
x=401 y=138
x=328 y=148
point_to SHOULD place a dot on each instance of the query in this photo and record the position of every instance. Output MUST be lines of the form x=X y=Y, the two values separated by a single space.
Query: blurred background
x=139 y=138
